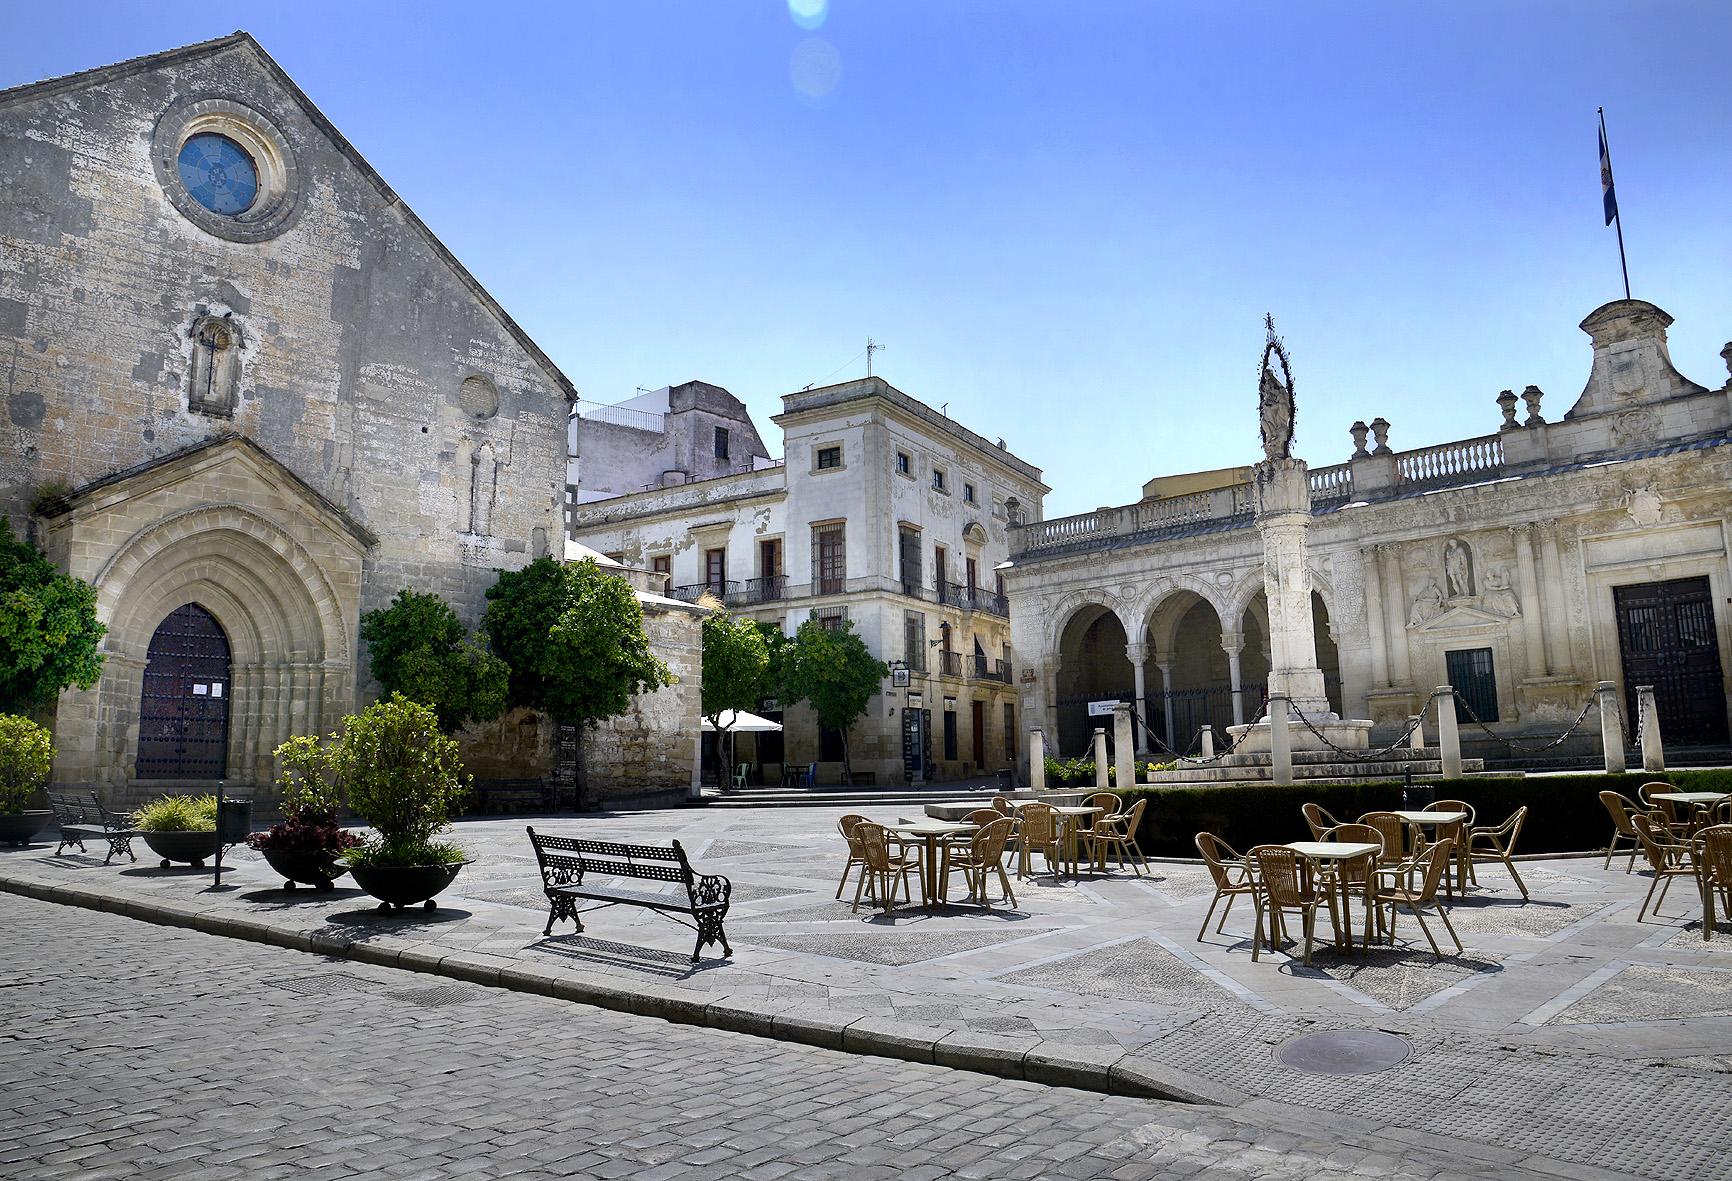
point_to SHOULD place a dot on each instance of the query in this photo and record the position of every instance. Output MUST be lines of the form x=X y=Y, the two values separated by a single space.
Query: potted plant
x=307 y=845
x=179 y=828
x=26 y=757
x=400 y=772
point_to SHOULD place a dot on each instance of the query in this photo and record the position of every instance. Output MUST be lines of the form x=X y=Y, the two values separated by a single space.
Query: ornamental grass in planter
x=401 y=773
x=308 y=845
x=179 y=828
x=26 y=758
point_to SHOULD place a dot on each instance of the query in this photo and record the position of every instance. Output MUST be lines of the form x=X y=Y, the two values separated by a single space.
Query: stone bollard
x=1208 y=742
x=1100 y=753
x=1611 y=728
x=1280 y=745
x=1448 y=737
x=1036 y=760
x=1653 y=750
x=1124 y=746
x=1416 y=740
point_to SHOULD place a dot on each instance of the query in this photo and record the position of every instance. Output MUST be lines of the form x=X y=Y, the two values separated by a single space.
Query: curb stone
x=1112 y=1072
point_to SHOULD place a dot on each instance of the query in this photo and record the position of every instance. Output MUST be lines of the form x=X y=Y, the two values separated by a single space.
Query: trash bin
x=1007 y=779
x=237 y=820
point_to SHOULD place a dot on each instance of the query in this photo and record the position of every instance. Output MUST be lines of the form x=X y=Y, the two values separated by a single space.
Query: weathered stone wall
x=653 y=748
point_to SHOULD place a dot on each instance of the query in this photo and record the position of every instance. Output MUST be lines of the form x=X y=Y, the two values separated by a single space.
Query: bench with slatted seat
x=569 y=866
x=80 y=819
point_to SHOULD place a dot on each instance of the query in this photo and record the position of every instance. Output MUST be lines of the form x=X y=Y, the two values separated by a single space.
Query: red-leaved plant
x=310 y=801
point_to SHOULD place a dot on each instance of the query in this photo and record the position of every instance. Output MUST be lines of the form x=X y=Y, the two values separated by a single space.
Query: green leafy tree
x=736 y=659
x=26 y=758
x=48 y=628
x=573 y=636
x=419 y=648
x=831 y=670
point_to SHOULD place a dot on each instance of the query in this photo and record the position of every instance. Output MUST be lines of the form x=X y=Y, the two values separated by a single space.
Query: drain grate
x=1344 y=1051
x=437 y=997
x=328 y=984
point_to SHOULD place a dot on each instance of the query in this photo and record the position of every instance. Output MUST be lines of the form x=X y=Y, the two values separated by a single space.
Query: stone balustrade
x=1448 y=462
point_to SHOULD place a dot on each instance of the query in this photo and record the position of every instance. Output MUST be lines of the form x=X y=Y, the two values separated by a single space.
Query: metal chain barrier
x=1524 y=748
x=1371 y=756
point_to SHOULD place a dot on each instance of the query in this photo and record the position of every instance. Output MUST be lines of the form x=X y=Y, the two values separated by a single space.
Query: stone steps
x=1258 y=769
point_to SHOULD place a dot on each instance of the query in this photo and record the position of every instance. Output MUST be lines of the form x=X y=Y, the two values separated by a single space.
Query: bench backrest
x=69 y=809
x=565 y=860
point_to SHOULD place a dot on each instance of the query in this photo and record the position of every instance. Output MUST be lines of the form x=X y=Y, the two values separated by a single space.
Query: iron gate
x=1667 y=639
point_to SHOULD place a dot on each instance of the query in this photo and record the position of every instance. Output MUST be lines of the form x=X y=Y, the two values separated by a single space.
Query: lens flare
x=815 y=68
x=809 y=14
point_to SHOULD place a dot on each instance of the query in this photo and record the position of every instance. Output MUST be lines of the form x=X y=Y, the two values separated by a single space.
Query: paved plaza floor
x=1567 y=1037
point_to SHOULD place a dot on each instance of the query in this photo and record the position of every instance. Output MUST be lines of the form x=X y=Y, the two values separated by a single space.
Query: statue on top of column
x=1275 y=397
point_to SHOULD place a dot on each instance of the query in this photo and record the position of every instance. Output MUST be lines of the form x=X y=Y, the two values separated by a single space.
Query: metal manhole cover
x=1344 y=1051
x=436 y=997
x=324 y=985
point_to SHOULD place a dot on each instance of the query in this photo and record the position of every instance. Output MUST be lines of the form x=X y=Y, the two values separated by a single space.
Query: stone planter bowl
x=405 y=885
x=22 y=828
x=188 y=845
x=317 y=869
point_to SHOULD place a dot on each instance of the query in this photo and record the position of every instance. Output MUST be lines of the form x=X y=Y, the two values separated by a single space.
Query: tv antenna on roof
x=872 y=346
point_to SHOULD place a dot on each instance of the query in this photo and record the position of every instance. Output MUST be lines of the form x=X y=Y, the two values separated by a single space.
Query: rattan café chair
x=1232 y=872
x=1318 y=820
x=1039 y=833
x=1497 y=843
x=1418 y=899
x=1713 y=855
x=883 y=867
x=1119 y=833
x=1621 y=808
x=1667 y=856
x=984 y=856
x=1288 y=880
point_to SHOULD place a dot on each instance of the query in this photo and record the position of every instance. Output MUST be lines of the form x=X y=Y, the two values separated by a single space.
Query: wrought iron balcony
x=972 y=598
x=735 y=593
x=986 y=669
x=950 y=664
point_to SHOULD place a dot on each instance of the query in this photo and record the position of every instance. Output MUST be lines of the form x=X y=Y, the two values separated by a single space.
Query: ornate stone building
x=249 y=396
x=1521 y=567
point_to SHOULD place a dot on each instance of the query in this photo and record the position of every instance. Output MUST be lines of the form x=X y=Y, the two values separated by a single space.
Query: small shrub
x=401 y=773
x=305 y=832
x=177 y=814
x=384 y=853
x=310 y=801
x=26 y=758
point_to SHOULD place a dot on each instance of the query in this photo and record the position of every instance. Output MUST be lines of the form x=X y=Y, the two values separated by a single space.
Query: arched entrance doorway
x=183 y=714
x=1092 y=666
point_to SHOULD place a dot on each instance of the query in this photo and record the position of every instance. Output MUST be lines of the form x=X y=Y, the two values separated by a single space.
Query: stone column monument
x=1283 y=507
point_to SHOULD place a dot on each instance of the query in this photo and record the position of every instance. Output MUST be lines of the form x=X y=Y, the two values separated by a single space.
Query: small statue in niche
x=1500 y=598
x=1427 y=606
x=216 y=365
x=1458 y=569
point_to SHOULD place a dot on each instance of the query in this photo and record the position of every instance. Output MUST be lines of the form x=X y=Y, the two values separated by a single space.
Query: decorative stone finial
x=1506 y=401
x=1380 y=432
x=1358 y=431
x=1726 y=356
x=1532 y=396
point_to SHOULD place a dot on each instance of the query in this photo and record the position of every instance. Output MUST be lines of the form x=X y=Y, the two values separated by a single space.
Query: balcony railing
x=913 y=589
x=972 y=598
x=950 y=664
x=984 y=668
x=1451 y=461
x=735 y=593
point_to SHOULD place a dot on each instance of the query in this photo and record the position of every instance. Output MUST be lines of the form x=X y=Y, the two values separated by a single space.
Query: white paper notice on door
x=216 y=689
x=200 y=690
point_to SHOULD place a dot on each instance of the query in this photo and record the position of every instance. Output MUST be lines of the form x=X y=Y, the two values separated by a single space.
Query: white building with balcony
x=883 y=512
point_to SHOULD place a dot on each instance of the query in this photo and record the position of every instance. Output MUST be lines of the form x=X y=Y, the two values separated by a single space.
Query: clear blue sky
x=1064 y=218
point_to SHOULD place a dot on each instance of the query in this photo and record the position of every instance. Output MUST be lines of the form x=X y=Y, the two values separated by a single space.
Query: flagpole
x=1618 y=217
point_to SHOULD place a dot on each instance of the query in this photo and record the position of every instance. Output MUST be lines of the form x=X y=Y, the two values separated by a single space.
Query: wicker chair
x=1393 y=831
x=846 y=826
x=1358 y=873
x=1621 y=808
x=1003 y=806
x=1233 y=874
x=1497 y=843
x=1679 y=825
x=1667 y=856
x=883 y=867
x=1287 y=880
x=983 y=857
x=1456 y=832
x=984 y=816
x=1713 y=857
x=1429 y=866
x=1319 y=820
x=1119 y=833
x=1038 y=832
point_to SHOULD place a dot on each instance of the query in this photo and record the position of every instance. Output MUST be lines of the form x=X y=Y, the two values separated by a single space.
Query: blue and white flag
x=1608 y=194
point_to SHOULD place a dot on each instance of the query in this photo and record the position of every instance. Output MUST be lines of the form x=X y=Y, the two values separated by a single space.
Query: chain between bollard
x=1524 y=748
x=1371 y=756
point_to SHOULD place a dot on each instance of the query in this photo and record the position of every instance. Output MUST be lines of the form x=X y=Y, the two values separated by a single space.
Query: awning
x=742 y=722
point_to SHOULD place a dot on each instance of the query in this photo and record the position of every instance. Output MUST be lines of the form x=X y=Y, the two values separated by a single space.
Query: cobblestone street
x=138 y=1051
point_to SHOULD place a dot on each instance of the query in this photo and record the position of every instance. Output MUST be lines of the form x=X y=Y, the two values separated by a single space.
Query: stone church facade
x=1522 y=567
x=249 y=396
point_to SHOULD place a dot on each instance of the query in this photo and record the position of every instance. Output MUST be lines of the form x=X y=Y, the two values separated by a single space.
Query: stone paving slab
x=1102 y=981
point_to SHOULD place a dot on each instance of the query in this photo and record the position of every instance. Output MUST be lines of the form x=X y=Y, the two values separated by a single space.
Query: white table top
x=1431 y=817
x=933 y=828
x=1333 y=850
x=1688 y=797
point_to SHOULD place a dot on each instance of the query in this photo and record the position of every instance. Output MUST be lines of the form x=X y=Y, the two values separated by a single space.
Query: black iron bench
x=508 y=794
x=78 y=819
x=566 y=861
